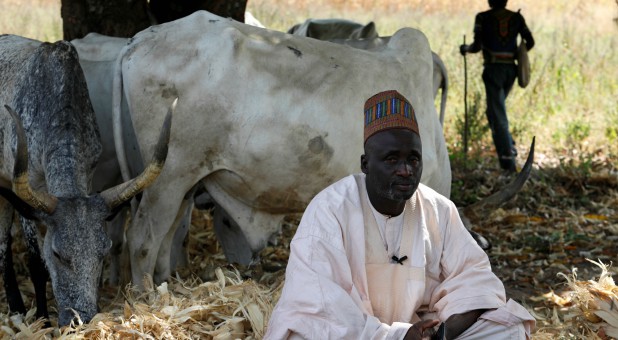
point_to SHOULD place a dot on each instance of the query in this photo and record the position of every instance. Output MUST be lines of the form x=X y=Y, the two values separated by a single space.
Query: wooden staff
x=465 y=136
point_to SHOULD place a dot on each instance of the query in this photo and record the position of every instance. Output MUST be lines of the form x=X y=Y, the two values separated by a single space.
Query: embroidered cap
x=388 y=110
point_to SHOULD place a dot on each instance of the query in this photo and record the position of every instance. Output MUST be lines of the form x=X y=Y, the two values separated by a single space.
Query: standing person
x=378 y=255
x=495 y=33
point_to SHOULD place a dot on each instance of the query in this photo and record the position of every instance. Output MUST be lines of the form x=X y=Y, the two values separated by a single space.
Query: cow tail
x=443 y=85
x=119 y=142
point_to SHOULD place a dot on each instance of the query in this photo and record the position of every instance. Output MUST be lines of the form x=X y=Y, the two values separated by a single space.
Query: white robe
x=326 y=292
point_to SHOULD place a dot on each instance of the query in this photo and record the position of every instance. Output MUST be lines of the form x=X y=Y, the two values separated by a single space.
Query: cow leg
x=13 y=295
x=166 y=260
x=233 y=241
x=440 y=81
x=202 y=199
x=115 y=231
x=38 y=272
x=154 y=217
x=179 y=252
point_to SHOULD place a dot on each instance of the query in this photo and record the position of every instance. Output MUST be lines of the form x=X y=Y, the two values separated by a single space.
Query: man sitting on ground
x=377 y=255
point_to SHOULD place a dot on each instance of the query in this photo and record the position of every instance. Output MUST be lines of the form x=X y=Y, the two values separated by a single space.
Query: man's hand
x=418 y=331
x=463 y=49
x=458 y=323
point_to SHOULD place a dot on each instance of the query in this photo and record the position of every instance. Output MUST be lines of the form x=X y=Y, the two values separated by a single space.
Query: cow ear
x=22 y=207
x=369 y=30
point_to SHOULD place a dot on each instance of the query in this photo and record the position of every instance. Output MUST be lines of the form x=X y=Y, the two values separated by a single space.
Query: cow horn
x=39 y=200
x=122 y=192
x=506 y=193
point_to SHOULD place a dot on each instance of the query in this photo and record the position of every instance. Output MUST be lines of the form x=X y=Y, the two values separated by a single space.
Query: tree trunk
x=169 y=10
x=124 y=18
x=119 y=18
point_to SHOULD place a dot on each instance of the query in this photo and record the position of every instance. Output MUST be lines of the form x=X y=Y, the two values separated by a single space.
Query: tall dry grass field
x=36 y=19
x=570 y=104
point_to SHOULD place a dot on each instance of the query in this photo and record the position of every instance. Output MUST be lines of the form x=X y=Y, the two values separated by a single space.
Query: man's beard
x=393 y=194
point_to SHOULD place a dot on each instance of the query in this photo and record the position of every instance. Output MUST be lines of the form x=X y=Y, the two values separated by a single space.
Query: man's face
x=393 y=164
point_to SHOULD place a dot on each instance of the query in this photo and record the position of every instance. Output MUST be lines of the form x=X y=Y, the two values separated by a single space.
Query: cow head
x=75 y=241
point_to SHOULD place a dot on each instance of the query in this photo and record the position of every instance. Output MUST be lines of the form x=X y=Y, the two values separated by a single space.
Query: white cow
x=265 y=119
x=346 y=32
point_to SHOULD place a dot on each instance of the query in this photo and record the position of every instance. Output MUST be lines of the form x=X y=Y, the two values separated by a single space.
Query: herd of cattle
x=263 y=120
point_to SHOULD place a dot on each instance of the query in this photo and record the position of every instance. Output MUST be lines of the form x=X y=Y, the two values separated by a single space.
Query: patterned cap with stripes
x=388 y=110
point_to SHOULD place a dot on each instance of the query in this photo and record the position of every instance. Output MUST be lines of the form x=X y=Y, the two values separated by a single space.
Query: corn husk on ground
x=225 y=308
x=229 y=307
x=589 y=310
x=529 y=249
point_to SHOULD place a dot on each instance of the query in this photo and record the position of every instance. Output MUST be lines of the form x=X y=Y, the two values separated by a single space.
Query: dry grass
x=36 y=19
x=206 y=300
x=570 y=103
x=589 y=308
x=210 y=300
x=391 y=15
x=227 y=307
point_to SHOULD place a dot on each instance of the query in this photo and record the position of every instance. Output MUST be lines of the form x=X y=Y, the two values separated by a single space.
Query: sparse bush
x=611 y=129
x=576 y=133
x=477 y=131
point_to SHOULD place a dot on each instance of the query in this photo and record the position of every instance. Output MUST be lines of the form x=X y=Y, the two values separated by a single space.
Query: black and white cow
x=327 y=29
x=50 y=146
